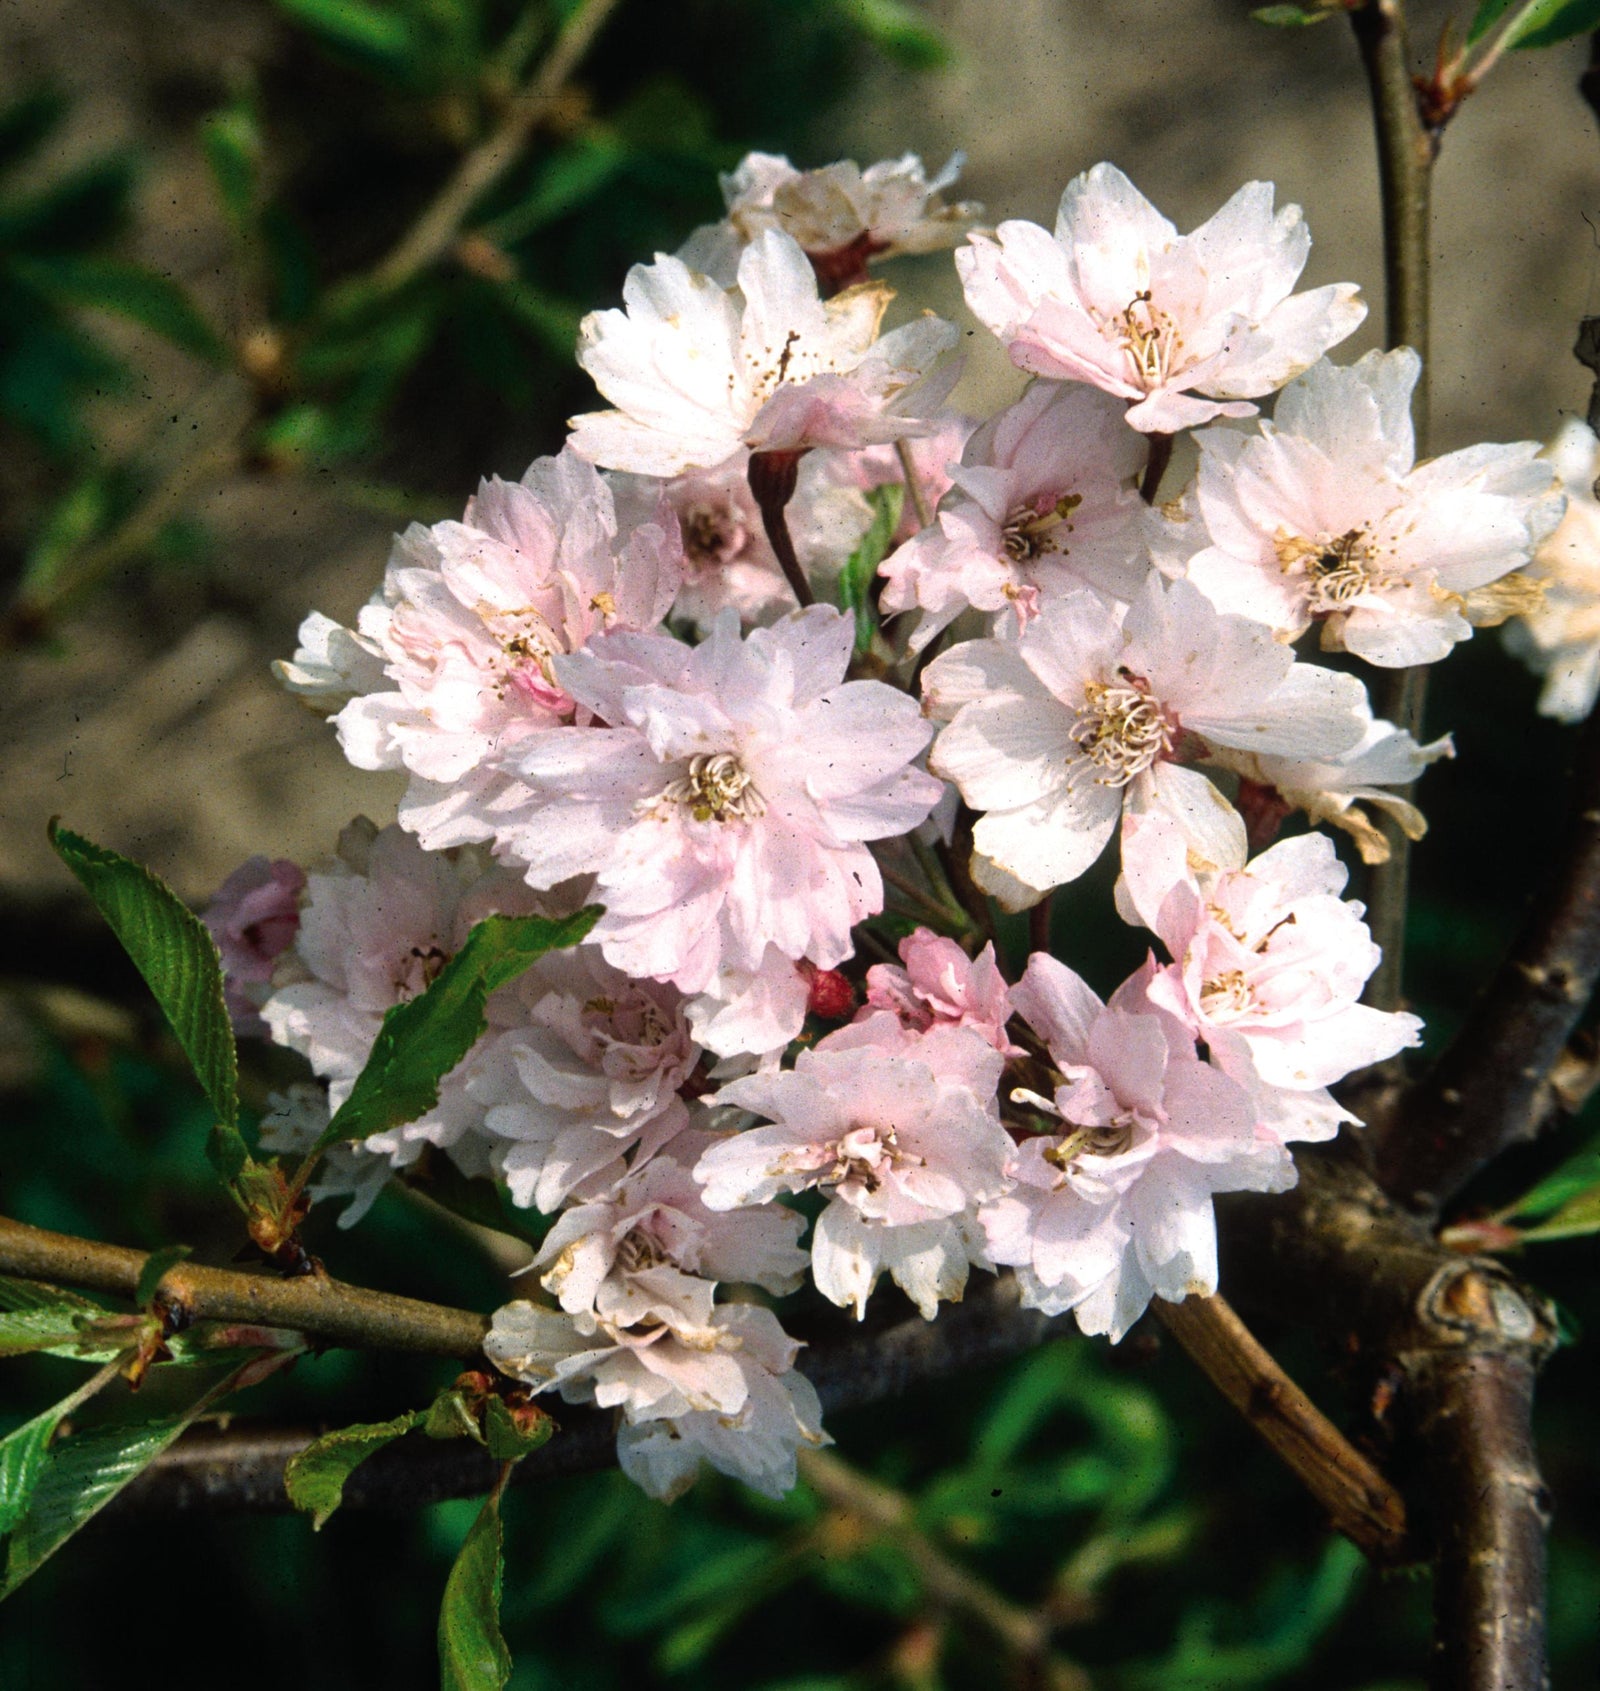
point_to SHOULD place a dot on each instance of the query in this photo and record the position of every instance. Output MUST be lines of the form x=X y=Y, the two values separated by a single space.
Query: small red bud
x=831 y=997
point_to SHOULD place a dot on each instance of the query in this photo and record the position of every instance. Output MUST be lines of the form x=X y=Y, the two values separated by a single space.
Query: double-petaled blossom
x=590 y=1068
x=1559 y=637
x=253 y=918
x=470 y=618
x=375 y=930
x=1187 y=327
x=698 y=371
x=941 y=986
x=1268 y=966
x=1109 y=1203
x=1324 y=516
x=729 y=1396
x=841 y=216
x=1044 y=499
x=1338 y=790
x=724 y=807
x=1050 y=734
x=899 y=1130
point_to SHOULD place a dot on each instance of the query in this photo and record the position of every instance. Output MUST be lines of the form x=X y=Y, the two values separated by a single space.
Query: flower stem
x=1406 y=154
x=772 y=482
x=1155 y=466
x=908 y=469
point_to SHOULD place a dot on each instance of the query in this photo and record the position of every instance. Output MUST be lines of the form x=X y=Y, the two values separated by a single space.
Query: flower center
x=718 y=788
x=1110 y=1139
x=528 y=643
x=1121 y=730
x=713 y=533
x=419 y=969
x=1229 y=994
x=638 y=1250
x=1336 y=570
x=1150 y=341
x=1029 y=534
x=865 y=1155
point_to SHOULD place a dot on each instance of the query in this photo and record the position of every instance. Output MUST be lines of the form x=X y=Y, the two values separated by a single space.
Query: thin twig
x=1406 y=154
x=436 y=231
x=314 y=1304
x=1024 y=1633
x=908 y=469
x=1360 y=1502
x=1490 y=1089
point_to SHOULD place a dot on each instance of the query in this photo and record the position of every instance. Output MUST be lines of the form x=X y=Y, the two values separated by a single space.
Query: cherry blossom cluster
x=789 y=1050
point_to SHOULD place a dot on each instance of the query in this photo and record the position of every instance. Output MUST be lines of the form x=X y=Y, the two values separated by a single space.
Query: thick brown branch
x=1472 y=1414
x=315 y=1304
x=1491 y=1088
x=1360 y=1502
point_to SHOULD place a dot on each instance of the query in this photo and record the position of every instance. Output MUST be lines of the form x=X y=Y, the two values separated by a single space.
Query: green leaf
x=315 y=1478
x=76 y=518
x=377 y=33
x=507 y=1439
x=231 y=142
x=26 y=122
x=22 y=1452
x=80 y=1477
x=171 y=947
x=902 y=30
x=1488 y=14
x=472 y=1654
x=1546 y=22
x=1291 y=17
x=855 y=579
x=126 y=290
x=25 y=1330
x=421 y=1041
x=1577 y=1175
x=156 y=1265
x=1575 y=1219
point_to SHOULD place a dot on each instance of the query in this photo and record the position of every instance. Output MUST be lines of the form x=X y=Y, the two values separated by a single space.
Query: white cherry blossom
x=1110 y=1204
x=1044 y=498
x=1559 y=638
x=1188 y=327
x=1050 y=734
x=697 y=371
x=941 y=986
x=841 y=215
x=1325 y=517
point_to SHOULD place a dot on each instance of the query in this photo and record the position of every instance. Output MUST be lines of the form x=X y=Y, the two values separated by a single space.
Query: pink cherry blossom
x=698 y=371
x=1043 y=499
x=904 y=1153
x=1324 y=517
x=1110 y=1204
x=1188 y=327
x=253 y=918
x=1269 y=963
x=1048 y=734
x=1559 y=638
x=724 y=809
x=841 y=215
x=472 y=614
x=941 y=985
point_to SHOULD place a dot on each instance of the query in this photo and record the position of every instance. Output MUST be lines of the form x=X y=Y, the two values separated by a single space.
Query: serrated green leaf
x=904 y=31
x=156 y=1265
x=35 y=1294
x=231 y=142
x=22 y=1456
x=376 y=33
x=26 y=1330
x=505 y=1439
x=1547 y=22
x=126 y=290
x=171 y=947
x=472 y=1654
x=855 y=579
x=421 y=1041
x=1577 y=1175
x=315 y=1478
x=1488 y=14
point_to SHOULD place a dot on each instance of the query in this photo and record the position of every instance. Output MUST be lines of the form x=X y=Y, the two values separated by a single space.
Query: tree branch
x=1491 y=1088
x=1406 y=152
x=1360 y=1502
x=314 y=1304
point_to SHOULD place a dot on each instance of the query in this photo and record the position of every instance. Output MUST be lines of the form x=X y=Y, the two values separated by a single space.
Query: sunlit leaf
x=1488 y=14
x=170 y=947
x=904 y=31
x=231 y=142
x=1549 y=21
x=378 y=33
x=315 y=1478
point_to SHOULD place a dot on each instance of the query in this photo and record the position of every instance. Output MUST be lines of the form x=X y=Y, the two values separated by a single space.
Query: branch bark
x=314 y=1304
x=1492 y=1088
